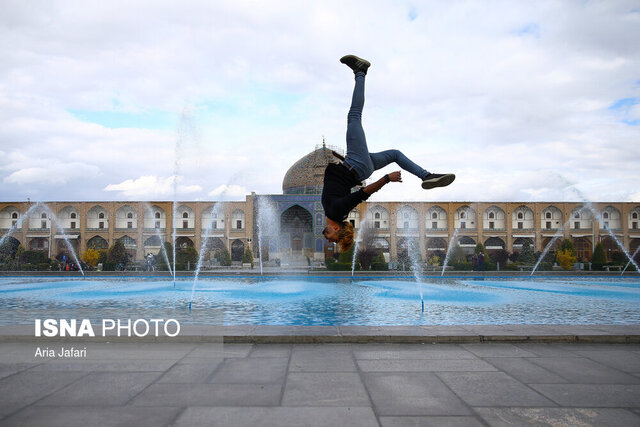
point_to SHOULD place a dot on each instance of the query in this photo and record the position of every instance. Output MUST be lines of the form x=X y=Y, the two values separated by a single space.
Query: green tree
x=599 y=258
x=247 y=258
x=567 y=245
x=117 y=253
x=186 y=258
x=223 y=257
x=526 y=255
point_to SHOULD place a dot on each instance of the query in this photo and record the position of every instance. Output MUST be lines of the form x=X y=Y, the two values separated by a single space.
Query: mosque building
x=299 y=220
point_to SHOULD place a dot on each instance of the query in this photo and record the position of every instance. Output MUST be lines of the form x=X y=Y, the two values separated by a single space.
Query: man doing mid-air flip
x=359 y=164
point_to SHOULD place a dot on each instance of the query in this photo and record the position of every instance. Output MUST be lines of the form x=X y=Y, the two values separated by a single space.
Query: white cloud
x=228 y=191
x=53 y=174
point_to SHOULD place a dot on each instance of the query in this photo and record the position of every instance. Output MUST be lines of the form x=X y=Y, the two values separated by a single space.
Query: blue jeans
x=358 y=156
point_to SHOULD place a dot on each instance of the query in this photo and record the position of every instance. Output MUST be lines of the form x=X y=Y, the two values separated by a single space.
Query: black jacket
x=337 y=198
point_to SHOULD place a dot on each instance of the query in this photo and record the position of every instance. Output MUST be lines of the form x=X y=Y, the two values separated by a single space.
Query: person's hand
x=395 y=176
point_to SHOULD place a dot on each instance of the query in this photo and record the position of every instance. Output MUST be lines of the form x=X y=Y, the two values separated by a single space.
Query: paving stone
x=591 y=395
x=271 y=350
x=430 y=421
x=496 y=350
x=545 y=350
x=24 y=388
x=251 y=370
x=424 y=365
x=524 y=370
x=189 y=373
x=410 y=394
x=492 y=389
x=623 y=360
x=209 y=395
x=324 y=389
x=101 y=388
x=69 y=416
x=216 y=351
x=277 y=416
x=583 y=371
x=321 y=361
x=7 y=369
x=151 y=365
x=499 y=417
x=427 y=352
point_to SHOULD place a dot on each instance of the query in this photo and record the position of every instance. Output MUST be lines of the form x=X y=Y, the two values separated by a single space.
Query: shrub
x=378 y=263
x=223 y=257
x=90 y=256
x=566 y=259
x=599 y=258
x=248 y=256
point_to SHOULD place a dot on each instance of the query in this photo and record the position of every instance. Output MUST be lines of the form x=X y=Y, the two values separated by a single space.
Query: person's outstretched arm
x=375 y=186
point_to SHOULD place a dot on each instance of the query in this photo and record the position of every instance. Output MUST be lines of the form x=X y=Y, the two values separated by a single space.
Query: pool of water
x=326 y=300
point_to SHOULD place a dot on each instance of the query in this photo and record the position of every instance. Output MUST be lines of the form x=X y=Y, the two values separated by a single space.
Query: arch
x=9 y=217
x=153 y=242
x=634 y=218
x=62 y=248
x=183 y=242
x=237 y=220
x=354 y=218
x=436 y=219
x=212 y=246
x=494 y=243
x=97 y=218
x=68 y=217
x=185 y=217
x=611 y=219
x=39 y=219
x=39 y=244
x=126 y=218
x=378 y=217
x=381 y=243
x=407 y=218
x=493 y=218
x=551 y=218
x=464 y=217
x=580 y=219
x=584 y=248
x=520 y=241
x=467 y=244
x=523 y=218
x=554 y=248
x=213 y=217
x=237 y=250
x=155 y=218
x=97 y=242
x=296 y=223
x=610 y=247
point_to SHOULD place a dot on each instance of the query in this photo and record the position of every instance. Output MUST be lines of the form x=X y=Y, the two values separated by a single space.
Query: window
x=634 y=215
x=73 y=224
x=377 y=215
x=405 y=225
x=130 y=215
x=605 y=215
x=214 y=225
x=491 y=225
x=40 y=243
x=606 y=224
x=185 y=224
x=463 y=225
x=157 y=215
x=14 y=215
x=101 y=224
x=576 y=225
x=239 y=224
x=185 y=215
x=461 y=215
x=43 y=216
x=492 y=215
x=577 y=215
x=434 y=216
x=129 y=224
x=520 y=225
x=73 y=215
x=376 y=224
x=548 y=215
x=548 y=227
x=406 y=215
x=157 y=224
x=520 y=215
x=353 y=222
x=43 y=224
x=634 y=225
x=434 y=224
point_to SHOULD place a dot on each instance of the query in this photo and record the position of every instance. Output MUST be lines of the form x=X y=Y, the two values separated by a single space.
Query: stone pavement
x=215 y=384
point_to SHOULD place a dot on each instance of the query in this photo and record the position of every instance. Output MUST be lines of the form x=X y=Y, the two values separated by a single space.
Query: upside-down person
x=359 y=164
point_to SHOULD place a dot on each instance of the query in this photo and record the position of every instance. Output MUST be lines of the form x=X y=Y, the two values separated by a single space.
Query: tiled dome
x=307 y=174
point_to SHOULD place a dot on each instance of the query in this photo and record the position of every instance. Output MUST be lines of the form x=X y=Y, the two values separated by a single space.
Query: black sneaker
x=355 y=63
x=434 y=180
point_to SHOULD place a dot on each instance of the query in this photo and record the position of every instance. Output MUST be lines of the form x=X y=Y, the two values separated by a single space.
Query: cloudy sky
x=119 y=100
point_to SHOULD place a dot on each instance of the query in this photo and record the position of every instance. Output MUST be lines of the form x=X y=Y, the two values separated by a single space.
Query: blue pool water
x=326 y=301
